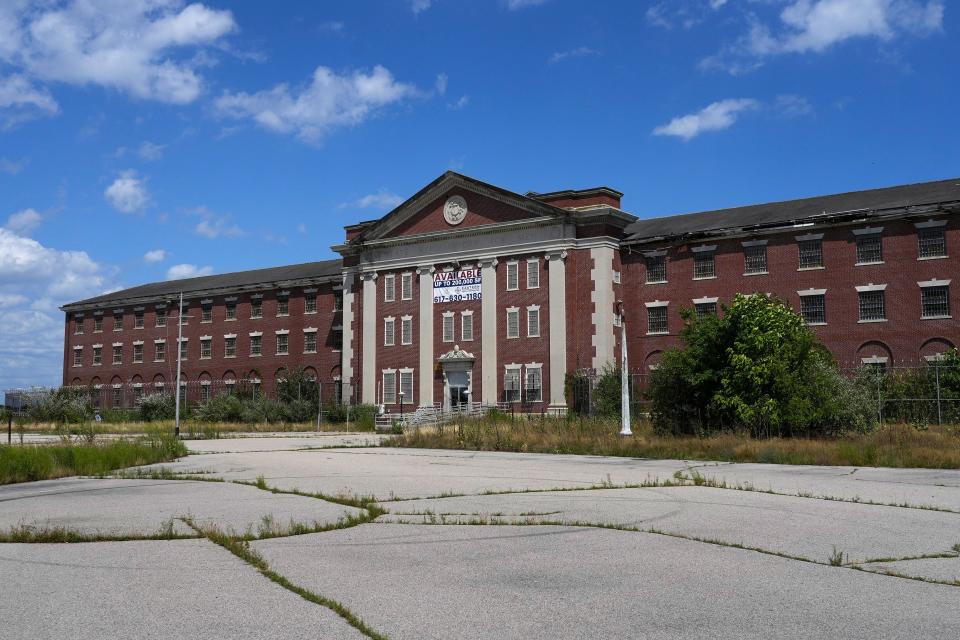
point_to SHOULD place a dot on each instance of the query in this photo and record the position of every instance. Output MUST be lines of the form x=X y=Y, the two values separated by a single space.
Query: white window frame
x=515 y=311
x=935 y=284
x=286 y=301
x=754 y=244
x=406 y=330
x=466 y=320
x=389 y=331
x=78 y=356
x=657 y=304
x=256 y=334
x=816 y=293
x=226 y=341
x=310 y=331
x=533 y=311
x=509 y=369
x=137 y=343
x=208 y=342
x=533 y=269
x=647 y=255
x=449 y=329
x=113 y=353
x=538 y=367
x=286 y=334
x=392 y=398
x=406 y=285
x=389 y=287
x=513 y=269
x=405 y=375
x=156 y=344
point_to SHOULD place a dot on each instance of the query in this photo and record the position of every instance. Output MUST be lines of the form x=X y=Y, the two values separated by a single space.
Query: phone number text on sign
x=456 y=286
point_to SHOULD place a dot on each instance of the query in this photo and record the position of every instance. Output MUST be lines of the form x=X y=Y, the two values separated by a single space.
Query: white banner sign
x=456 y=286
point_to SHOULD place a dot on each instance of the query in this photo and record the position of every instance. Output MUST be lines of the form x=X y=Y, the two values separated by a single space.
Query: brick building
x=468 y=292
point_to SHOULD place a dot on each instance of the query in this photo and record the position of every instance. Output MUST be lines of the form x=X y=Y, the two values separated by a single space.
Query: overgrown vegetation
x=43 y=462
x=886 y=446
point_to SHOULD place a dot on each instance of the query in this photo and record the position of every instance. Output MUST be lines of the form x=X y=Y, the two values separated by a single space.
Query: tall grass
x=887 y=446
x=42 y=462
x=189 y=428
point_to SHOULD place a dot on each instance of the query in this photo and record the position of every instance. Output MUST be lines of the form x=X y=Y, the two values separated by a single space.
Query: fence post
x=879 y=400
x=936 y=369
x=10 y=428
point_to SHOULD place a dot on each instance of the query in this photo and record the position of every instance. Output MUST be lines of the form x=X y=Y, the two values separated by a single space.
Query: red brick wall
x=904 y=333
x=399 y=356
x=482 y=210
x=579 y=309
x=524 y=350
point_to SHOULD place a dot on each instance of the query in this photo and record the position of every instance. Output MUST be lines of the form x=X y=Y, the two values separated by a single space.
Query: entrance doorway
x=458 y=382
x=457 y=367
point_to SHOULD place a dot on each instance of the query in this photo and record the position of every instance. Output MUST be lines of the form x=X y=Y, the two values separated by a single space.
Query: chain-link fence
x=925 y=394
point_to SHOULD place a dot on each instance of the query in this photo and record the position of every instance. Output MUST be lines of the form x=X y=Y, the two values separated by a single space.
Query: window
x=230 y=347
x=533 y=322
x=534 y=386
x=256 y=345
x=513 y=322
x=183 y=348
x=97 y=355
x=811 y=253
x=338 y=301
x=389 y=393
x=871 y=306
x=118 y=322
x=389 y=287
x=406 y=386
x=161 y=317
x=159 y=351
x=117 y=397
x=78 y=357
x=204 y=392
x=184 y=317
x=117 y=354
x=78 y=326
x=656 y=269
x=533 y=274
x=97 y=324
x=705 y=309
x=466 y=327
x=657 y=319
x=869 y=249
x=406 y=330
x=448 y=326
x=513 y=278
x=138 y=352
x=206 y=313
x=755 y=258
x=231 y=310
x=933 y=242
x=283 y=306
x=337 y=337
x=813 y=308
x=406 y=291
x=256 y=308
x=138 y=319
x=206 y=350
x=389 y=334
x=511 y=385
x=310 y=303
x=283 y=344
x=704 y=265
x=137 y=392
x=935 y=301
x=310 y=342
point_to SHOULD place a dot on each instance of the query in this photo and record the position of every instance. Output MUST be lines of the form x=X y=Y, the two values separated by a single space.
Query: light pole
x=401 y=407
x=624 y=374
x=176 y=386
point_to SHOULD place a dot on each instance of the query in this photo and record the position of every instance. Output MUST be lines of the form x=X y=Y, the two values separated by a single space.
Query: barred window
x=534 y=385
x=406 y=387
x=513 y=323
x=755 y=258
x=389 y=387
x=161 y=318
x=705 y=309
x=704 y=265
x=389 y=288
x=872 y=305
x=406 y=290
x=204 y=393
x=256 y=345
x=935 y=302
x=206 y=313
x=310 y=303
x=656 y=269
x=869 y=249
x=513 y=278
x=813 y=309
x=97 y=355
x=230 y=348
x=533 y=274
x=811 y=254
x=337 y=301
x=137 y=320
x=231 y=309
x=533 y=322
x=337 y=338
x=283 y=344
x=310 y=342
x=256 y=308
x=406 y=330
x=117 y=354
x=511 y=385
x=466 y=327
x=448 y=327
x=933 y=243
x=205 y=349
x=283 y=306
x=183 y=349
x=78 y=326
x=388 y=332
x=138 y=353
x=159 y=351
x=98 y=324
x=117 y=397
x=656 y=320
x=118 y=322
x=78 y=357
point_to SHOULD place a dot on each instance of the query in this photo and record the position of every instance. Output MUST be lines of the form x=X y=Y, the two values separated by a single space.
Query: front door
x=458 y=381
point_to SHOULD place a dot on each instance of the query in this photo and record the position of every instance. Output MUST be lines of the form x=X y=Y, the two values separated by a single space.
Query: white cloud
x=145 y=48
x=814 y=26
x=23 y=222
x=714 y=117
x=181 y=271
x=792 y=106
x=514 y=5
x=579 y=52
x=381 y=200
x=156 y=255
x=34 y=279
x=441 y=84
x=302 y=229
x=418 y=6
x=12 y=167
x=150 y=151
x=214 y=225
x=329 y=101
x=459 y=103
x=21 y=101
x=127 y=193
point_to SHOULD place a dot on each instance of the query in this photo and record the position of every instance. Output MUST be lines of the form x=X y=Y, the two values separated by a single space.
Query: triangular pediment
x=455 y=202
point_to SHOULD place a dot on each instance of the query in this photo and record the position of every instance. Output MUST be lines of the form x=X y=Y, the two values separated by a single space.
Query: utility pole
x=624 y=375
x=176 y=405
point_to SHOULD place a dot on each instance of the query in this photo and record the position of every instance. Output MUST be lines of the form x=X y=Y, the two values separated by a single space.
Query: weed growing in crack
x=836 y=558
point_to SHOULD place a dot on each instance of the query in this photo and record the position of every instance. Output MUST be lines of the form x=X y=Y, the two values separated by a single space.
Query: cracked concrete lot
x=297 y=539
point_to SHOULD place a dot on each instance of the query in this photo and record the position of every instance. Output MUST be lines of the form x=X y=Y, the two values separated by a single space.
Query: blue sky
x=149 y=139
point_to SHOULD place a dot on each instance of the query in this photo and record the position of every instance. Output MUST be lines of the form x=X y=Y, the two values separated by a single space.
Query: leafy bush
x=222 y=408
x=156 y=406
x=756 y=367
x=66 y=405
